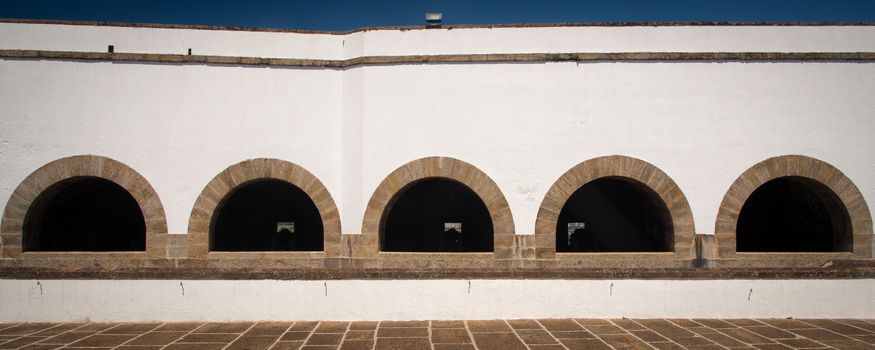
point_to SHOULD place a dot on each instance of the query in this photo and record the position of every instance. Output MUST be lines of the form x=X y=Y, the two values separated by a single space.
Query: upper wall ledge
x=503 y=39
x=445 y=26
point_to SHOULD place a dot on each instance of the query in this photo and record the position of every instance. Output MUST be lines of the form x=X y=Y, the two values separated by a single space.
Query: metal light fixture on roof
x=433 y=19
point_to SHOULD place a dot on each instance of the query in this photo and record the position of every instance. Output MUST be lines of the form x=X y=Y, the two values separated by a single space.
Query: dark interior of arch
x=86 y=214
x=247 y=218
x=416 y=217
x=793 y=214
x=619 y=214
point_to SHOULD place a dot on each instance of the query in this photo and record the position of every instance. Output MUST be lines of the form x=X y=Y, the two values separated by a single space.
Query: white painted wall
x=163 y=300
x=522 y=124
x=177 y=125
x=703 y=124
x=438 y=41
x=23 y=36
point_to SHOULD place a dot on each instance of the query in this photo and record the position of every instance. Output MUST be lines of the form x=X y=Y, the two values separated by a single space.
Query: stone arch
x=246 y=171
x=448 y=168
x=793 y=166
x=83 y=166
x=616 y=166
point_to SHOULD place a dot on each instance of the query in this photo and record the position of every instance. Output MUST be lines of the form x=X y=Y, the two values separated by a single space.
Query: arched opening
x=793 y=214
x=266 y=215
x=87 y=214
x=614 y=214
x=436 y=215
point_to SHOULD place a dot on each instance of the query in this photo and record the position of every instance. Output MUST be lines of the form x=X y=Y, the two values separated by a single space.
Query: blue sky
x=347 y=14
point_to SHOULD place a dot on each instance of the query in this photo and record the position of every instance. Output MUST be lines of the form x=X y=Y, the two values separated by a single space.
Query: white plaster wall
x=22 y=36
x=187 y=300
x=177 y=125
x=704 y=124
x=523 y=124
x=438 y=41
x=619 y=39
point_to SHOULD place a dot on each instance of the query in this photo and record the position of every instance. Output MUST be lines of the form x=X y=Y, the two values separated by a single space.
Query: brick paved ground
x=445 y=335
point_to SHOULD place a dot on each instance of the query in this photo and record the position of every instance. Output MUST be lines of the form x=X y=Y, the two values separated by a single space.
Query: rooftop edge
x=422 y=27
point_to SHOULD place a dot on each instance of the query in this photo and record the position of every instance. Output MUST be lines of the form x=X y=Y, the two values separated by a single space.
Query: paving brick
x=403 y=344
x=712 y=323
x=545 y=347
x=744 y=322
x=332 y=327
x=562 y=325
x=536 y=336
x=132 y=328
x=660 y=334
x=786 y=323
x=837 y=327
x=691 y=341
x=26 y=329
x=850 y=345
x=208 y=338
x=268 y=328
x=498 y=341
x=179 y=327
x=224 y=328
x=20 y=342
x=358 y=344
x=724 y=340
x=303 y=326
x=573 y=335
x=628 y=325
x=192 y=346
x=324 y=339
x=450 y=335
x=402 y=332
x=287 y=345
x=772 y=347
x=52 y=347
x=252 y=343
x=666 y=328
x=683 y=322
x=292 y=336
x=591 y=321
x=360 y=335
x=801 y=343
x=456 y=347
x=667 y=346
x=624 y=341
x=648 y=336
x=363 y=325
x=702 y=330
x=488 y=326
x=401 y=324
x=524 y=324
x=820 y=334
x=859 y=324
x=107 y=340
x=605 y=329
x=61 y=328
x=746 y=336
x=67 y=338
x=447 y=324
x=771 y=332
x=156 y=338
x=585 y=344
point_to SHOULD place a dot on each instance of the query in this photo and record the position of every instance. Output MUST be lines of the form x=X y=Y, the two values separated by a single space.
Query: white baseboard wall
x=256 y=300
